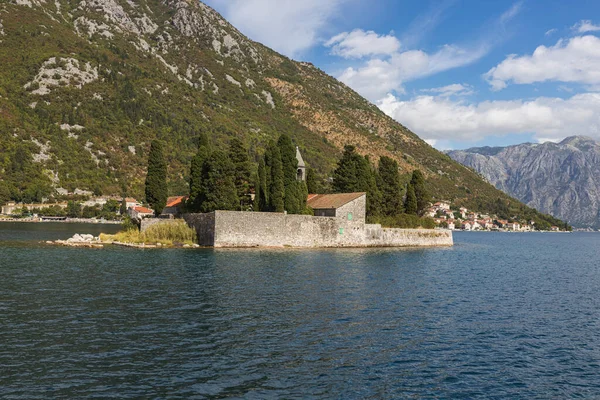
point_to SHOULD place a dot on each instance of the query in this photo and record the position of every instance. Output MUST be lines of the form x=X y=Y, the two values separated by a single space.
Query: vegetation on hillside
x=169 y=84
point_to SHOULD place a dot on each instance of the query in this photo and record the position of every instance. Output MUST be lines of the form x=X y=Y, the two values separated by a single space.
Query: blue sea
x=497 y=316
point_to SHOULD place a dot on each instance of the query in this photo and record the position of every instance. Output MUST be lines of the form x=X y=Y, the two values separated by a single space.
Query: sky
x=459 y=73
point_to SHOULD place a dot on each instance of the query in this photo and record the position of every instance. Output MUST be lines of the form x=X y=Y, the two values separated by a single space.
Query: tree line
x=224 y=179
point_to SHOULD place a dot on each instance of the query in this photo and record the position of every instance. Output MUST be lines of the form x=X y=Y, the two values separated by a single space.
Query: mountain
x=562 y=179
x=86 y=85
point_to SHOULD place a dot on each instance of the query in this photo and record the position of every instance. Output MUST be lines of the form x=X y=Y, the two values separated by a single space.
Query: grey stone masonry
x=257 y=229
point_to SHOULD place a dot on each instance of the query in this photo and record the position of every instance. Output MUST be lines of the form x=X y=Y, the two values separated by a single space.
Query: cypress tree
x=156 y=179
x=421 y=193
x=292 y=201
x=354 y=174
x=389 y=187
x=277 y=188
x=202 y=154
x=344 y=176
x=410 y=205
x=261 y=199
x=218 y=191
x=239 y=156
x=312 y=182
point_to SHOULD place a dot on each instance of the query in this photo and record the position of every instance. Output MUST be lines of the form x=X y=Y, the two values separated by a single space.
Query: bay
x=499 y=315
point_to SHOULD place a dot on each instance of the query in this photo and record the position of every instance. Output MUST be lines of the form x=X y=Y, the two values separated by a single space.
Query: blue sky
x=459 y=73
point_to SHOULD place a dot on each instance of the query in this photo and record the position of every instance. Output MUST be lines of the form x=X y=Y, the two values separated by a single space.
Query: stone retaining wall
x=254 y=229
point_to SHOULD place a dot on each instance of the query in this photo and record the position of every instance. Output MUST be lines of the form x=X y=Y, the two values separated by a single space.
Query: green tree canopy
x=410 y=204
x=156 y=179
x=421 y=193
x=193 y=202
x=276 y=189
x=389 y=187
x=218 y=191
x=238 y=154
x=261 y=195
x=292 y=197
x=355 y=174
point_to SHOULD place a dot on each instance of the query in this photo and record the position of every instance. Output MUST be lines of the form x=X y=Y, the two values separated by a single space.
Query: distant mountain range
x=562 y=179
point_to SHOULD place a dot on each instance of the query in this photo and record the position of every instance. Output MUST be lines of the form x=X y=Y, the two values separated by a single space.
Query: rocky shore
x=91 y=241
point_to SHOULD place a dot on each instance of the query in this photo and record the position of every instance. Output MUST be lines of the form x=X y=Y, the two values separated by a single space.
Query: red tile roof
x=175 y=201
x=322 y=201
x=143 y=210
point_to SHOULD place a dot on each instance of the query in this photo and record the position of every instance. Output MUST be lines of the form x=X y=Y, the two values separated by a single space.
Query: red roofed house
x=139 y=212
x=174 y=205
x=348 y=206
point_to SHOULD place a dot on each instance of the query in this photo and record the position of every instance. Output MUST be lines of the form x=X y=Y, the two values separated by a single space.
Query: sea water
x=499 y=315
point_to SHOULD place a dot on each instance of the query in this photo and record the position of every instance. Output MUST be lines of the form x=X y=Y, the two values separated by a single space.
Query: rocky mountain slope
x=86 y=85
x=562 y=179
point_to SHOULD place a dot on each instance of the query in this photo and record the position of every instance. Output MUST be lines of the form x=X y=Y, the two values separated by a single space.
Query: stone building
x=348 y=206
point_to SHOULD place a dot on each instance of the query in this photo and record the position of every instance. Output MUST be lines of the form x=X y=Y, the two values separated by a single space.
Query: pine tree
x=193 y=202
x=421 y=193
x=156 y=179
x=277 y=188
x=292 y=201
x=389 y=187
x=218 y=191
x=239 y=156
x=410 y=204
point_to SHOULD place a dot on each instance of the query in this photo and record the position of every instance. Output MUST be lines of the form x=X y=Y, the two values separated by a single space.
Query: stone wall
x=204 y=225
x=253 y=229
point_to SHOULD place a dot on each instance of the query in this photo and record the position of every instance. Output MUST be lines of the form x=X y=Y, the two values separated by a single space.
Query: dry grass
x=167 y=234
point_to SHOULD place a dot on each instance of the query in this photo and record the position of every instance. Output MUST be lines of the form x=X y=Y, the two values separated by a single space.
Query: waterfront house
x=139 y=212
x=130 y=202
x=466 y=226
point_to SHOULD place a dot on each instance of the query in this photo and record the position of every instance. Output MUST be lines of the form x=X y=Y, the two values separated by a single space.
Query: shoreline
x=66 y=221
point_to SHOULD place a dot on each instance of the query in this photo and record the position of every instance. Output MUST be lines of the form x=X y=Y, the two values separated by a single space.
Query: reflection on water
x=497 y=315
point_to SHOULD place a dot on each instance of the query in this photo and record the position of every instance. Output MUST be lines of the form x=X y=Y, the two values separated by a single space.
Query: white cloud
x=551 y=31
x=575 y=60
x=442 y=119
x=377 y=77
x=387 y=70
x=288 y=26
x=358 y=43
x=456 y=89
x=585 y=25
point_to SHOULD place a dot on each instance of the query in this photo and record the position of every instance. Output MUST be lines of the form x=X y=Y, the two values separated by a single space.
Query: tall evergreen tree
x=345 y=175
x=156 y=179
x=292 y=201
x=355 y=174
x=313 y=185
x=389 y=187
x=239 y=156
x=201 y=155
x=261 y=199
x=421 y=193
x=277 y=188
x=218 y=191
x=410 y=204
